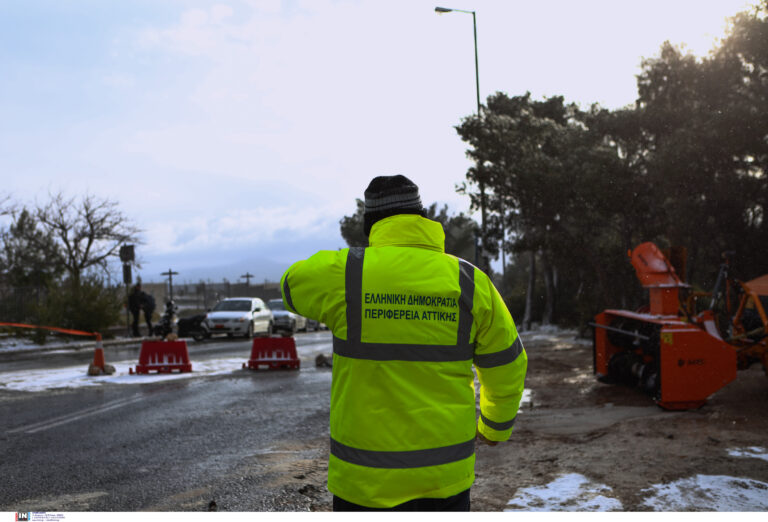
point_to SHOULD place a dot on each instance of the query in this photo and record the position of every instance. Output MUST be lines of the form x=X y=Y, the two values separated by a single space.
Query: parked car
x=285 y=320
x=240 y=316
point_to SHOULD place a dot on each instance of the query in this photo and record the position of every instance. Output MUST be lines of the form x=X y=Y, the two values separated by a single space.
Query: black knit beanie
x=390 y=195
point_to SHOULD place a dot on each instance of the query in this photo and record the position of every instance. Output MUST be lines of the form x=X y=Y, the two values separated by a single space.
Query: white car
x=286 y=320
x=240 y=316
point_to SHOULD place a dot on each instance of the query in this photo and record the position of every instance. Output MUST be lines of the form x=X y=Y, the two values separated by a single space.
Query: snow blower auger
x=678 y=355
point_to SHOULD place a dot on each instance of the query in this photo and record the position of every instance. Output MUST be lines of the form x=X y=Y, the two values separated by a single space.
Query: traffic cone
x=98 y=355
x=98 y=366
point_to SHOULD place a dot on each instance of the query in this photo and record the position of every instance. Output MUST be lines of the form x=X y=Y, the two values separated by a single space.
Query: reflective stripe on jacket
x=408 y=323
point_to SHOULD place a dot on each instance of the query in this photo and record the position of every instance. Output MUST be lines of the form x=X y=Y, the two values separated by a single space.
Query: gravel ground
x=585 y=446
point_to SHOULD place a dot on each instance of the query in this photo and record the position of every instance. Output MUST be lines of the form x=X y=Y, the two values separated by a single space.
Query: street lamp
x=480 y=182
x=443 y=10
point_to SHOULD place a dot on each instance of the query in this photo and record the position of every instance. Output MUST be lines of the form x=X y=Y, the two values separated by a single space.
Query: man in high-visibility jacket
x=408 y=322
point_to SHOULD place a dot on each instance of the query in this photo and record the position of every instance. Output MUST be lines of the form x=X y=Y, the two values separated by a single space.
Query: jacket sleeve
x=500 y=361
x=314 y=287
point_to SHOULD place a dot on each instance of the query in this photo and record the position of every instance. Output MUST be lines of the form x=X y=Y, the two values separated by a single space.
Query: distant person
x=148 y=305
x=134 y=306
x=409 y=322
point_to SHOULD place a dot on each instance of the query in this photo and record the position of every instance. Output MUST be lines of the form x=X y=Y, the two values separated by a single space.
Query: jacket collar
x=408 y=230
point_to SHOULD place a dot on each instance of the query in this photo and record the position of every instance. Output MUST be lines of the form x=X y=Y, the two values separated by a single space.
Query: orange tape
x=55 y=329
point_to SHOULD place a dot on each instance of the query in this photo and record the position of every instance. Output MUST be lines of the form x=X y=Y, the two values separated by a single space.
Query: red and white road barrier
x=163 y=357
x=273 y=353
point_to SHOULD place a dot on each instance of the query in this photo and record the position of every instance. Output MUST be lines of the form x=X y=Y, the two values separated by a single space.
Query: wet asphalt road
x=250 y=441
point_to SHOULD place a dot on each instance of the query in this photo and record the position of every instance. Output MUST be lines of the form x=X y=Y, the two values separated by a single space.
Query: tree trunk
x=75 y=276
x=549 y=291
x=527 y=317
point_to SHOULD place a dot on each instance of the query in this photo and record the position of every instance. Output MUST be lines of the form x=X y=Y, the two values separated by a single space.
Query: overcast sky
x=242 y=131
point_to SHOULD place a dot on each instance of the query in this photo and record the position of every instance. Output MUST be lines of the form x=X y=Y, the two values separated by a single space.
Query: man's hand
x=483 y=440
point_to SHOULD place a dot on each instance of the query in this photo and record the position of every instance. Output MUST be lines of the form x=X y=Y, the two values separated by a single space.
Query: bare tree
x=89 y=232
x=6 y=206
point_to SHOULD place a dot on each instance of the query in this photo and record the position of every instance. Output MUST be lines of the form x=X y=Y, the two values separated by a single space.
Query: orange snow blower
x=672 y=351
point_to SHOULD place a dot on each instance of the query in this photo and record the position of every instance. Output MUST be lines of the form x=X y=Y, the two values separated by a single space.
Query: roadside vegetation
x=54 y=263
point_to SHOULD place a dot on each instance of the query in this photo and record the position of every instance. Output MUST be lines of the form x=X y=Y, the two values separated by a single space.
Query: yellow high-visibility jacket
x=408 y=323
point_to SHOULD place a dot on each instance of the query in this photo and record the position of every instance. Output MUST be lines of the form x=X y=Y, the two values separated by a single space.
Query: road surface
x=249 y=441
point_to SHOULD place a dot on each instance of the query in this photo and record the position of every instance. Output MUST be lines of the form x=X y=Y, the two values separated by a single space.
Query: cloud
x=118 y=80
x=199 y=32
x=238 y=227
x=299 y=110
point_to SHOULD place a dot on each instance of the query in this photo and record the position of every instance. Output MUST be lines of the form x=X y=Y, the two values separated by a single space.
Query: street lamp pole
x=477 y=67
x=480 y=182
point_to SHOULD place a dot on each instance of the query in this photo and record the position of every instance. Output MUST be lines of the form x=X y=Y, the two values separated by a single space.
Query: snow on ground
x=552 y=334
x=525 y=400
x=77 y=376
x=16 y=344
x=752 y=452
x=709 y=493
x=55 y=344
x=570 y=492
x=575 y=492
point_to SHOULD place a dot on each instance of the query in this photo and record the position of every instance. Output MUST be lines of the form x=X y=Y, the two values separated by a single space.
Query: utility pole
x=247 y=278
x=170 y=273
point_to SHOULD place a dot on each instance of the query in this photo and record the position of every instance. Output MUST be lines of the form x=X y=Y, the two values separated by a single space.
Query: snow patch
x=752 y=452
x=76 y=376
x=575 y=492
x=708 y=493
x=571 y=492
x=552 y=334
x=16 y=344
x=525 y=400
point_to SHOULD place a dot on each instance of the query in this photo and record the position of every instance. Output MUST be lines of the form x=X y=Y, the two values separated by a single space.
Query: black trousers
x=135 y=324
x=147 y=318
x=458 y=502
